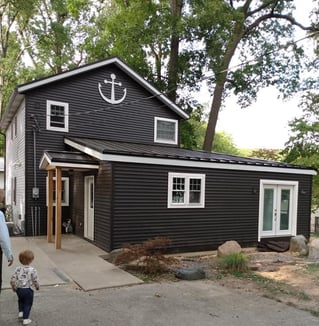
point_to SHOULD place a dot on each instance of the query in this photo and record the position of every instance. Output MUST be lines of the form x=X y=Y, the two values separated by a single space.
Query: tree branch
x=271 y=3
x=292 y=20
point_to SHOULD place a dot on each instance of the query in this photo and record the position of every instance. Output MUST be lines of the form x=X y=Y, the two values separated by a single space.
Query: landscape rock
x=114 y=253
x=229 y=247
x=299 y=244
x=190 y=274
x=314 y=249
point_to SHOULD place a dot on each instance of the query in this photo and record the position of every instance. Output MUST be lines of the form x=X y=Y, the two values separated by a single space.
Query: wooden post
x=58 y=210
x=50 y=206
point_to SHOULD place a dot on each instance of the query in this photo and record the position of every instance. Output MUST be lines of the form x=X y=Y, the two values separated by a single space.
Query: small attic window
x=57 y=116
x=165 y=131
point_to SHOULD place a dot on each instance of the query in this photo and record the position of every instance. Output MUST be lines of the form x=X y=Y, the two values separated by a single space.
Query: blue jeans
x=25 y=301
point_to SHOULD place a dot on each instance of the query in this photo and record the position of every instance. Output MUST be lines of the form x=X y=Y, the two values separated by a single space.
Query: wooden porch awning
x=55 y=162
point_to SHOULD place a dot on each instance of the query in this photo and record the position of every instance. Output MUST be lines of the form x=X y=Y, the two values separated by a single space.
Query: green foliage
x=223 y=143
x=234 y=263
x=148 y=256
x=312 y=268
x=303 y=145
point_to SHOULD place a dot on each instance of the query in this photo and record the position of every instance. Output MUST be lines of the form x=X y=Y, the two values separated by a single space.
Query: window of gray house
x=165 y=131
x=57 y=116
x=186 y=190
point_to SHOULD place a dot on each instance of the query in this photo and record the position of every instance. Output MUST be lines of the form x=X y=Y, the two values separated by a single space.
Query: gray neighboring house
x=2 y=180
x=125 y=178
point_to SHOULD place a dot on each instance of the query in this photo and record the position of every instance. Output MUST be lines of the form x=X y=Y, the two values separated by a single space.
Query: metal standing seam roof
x=67 y=159
x=166 y=152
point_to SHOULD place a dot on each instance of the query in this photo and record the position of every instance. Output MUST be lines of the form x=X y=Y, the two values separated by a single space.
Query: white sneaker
x=27 y=321
x=20 y=314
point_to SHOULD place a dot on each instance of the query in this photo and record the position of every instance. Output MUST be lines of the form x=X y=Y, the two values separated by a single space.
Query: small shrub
x=234 y=262
x=148 y=256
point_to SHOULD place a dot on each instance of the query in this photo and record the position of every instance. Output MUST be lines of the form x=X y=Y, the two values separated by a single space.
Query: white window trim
x=66 y=115
x=165 y=141
x=295 y=185
x=65 y=181
x=187 y=177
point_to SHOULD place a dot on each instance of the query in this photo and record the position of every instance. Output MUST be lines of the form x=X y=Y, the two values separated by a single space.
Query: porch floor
x=78 y=261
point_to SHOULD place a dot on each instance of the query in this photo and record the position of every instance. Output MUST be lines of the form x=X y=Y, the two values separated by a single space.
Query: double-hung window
x=64 y=191
x=165 y=131
x=57 y=116
x=186 y=190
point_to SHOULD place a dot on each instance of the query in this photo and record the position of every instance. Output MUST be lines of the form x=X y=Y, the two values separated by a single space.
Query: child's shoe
x=27 y=321
x=20 y=314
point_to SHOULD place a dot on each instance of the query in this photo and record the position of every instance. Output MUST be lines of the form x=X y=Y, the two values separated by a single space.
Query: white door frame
x=89 y=207
x=278 y=185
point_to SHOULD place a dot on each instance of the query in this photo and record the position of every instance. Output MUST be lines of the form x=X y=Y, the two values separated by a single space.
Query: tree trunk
x=176 y=12
x=221 y=77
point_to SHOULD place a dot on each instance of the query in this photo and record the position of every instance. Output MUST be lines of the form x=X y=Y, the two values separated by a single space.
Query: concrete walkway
x=78 y=261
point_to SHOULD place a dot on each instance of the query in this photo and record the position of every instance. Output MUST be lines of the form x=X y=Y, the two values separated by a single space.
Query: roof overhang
x=131 y=158
x=67 y=161
x=14 y=103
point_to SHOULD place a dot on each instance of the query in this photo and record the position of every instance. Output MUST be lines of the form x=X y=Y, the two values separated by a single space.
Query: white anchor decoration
x=112 y=100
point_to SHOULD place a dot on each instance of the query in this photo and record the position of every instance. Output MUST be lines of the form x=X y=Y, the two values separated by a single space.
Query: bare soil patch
x=284 y=277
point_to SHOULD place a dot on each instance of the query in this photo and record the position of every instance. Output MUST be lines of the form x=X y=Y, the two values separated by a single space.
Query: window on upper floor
x=165 y=131
x=186 y=190
x=57 y=116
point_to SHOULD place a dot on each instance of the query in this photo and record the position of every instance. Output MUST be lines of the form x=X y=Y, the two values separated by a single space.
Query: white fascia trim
x=183 y=163
x=66 y=74
x=75 y=166
x=131 y=72
x=45 y=162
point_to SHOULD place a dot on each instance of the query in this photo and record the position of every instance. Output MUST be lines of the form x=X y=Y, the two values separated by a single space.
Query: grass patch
x=312 y=268
x=234 y=263
x=272 y=286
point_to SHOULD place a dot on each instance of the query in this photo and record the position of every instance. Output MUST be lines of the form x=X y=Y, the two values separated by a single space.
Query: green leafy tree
x=224 y=144
x=56 y=32
x=303 y=144
x=259 y=34
x=12 y=14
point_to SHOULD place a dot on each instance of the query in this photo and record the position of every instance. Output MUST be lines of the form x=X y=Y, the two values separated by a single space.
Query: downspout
x=35 y=210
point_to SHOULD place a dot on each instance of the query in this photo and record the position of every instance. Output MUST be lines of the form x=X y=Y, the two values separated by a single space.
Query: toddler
x=23 y=279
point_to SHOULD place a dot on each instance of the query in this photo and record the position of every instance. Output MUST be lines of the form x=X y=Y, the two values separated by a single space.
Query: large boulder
x=314 y=249
x=229 y=247
x=299 y=244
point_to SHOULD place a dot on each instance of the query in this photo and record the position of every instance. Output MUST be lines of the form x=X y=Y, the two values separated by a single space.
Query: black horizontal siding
x=89 y=115
x=231 y=207
x=131 y=121
x=77 y=202
x=102 y=207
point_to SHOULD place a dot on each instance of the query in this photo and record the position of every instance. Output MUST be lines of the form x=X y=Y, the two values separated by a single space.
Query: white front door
x=89 y=207
x=278 y=208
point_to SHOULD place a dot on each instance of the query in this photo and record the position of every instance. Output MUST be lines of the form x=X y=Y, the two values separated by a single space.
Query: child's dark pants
x=25 y=301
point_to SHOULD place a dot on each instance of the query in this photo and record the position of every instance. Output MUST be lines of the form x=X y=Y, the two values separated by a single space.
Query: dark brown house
x=102 y=144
